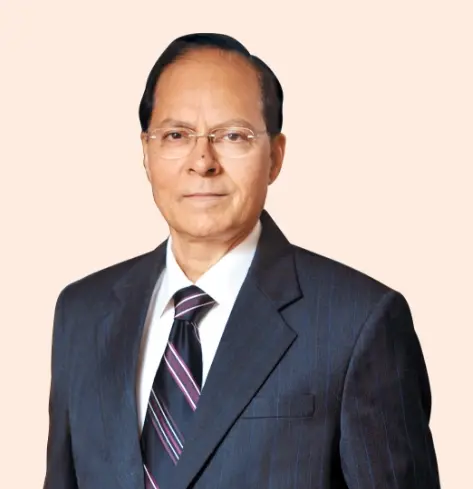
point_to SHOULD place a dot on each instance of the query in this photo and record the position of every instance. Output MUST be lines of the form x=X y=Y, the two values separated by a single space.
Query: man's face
x=202 y=194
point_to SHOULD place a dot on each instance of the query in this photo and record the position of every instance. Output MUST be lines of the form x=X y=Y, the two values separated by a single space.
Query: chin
x=204 y=227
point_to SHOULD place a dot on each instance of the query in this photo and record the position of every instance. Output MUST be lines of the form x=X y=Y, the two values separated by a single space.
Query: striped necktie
x=176 y=389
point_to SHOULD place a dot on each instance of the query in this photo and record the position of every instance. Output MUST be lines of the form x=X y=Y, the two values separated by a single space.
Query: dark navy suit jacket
x=319 y=382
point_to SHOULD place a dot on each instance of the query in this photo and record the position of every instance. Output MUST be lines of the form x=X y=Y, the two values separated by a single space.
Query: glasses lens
x=171 y=143
x=174 y=143
x=233 y=142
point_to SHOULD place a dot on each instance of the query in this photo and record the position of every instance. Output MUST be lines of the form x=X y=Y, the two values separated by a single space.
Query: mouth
x=204 y=195
x=204 y=199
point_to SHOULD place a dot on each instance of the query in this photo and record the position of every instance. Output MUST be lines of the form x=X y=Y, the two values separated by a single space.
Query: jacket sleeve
x=60 y=472
x=385 y=437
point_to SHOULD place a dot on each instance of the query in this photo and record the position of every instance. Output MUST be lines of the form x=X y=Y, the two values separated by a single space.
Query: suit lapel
x=254 y=341
x=122 y=331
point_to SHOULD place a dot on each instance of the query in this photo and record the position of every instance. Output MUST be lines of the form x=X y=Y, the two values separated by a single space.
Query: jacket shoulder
x=317 y=272
x=96 y=284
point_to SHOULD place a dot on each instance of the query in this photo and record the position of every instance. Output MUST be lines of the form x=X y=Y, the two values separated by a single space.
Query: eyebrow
x=230 y=122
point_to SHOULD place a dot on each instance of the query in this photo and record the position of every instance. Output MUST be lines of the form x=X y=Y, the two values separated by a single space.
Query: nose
x=203 y=159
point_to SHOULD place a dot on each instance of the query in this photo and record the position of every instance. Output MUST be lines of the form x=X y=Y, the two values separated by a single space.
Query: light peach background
x=378 y=172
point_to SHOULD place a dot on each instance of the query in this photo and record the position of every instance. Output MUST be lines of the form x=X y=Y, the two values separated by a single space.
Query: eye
x=235 y=135
x=174 y=135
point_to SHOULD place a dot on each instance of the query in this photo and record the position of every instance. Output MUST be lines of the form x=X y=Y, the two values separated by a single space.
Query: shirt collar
x=222 y=281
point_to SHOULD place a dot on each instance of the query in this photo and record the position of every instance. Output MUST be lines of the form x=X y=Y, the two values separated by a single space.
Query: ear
x=278 y=149
x=144 y=144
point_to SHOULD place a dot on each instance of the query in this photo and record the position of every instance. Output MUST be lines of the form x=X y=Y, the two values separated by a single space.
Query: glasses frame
x=210 y=135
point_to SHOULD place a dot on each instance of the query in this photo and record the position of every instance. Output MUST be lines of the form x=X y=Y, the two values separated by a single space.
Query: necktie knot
x=191 y=303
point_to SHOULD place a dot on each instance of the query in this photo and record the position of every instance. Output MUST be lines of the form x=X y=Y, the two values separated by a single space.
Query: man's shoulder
x=100 y=282
x=316 y=272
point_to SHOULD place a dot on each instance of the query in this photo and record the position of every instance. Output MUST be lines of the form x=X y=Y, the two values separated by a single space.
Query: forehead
x=211 y=86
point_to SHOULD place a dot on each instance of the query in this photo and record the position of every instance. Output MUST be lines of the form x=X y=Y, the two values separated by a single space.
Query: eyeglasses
x=178 y=142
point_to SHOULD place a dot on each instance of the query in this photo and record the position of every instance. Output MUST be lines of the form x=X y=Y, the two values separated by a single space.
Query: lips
x=205 y=195
x=204 y=199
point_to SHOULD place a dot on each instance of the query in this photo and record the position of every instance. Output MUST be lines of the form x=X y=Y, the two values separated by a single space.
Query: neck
x=197 y=255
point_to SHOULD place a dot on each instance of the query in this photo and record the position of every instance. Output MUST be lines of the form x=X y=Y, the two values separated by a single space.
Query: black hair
x=271 y=90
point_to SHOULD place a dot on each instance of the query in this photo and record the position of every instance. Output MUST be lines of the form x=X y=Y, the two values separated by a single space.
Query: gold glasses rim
x=210 y=135
x=195 y=133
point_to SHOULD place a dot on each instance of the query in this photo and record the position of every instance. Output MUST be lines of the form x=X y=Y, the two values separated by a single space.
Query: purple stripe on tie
x=185 y=380
x=166 y=412
x=164 y=422
x=150 y=482
x=183 y=368
x=163 y=440
x=190 y=308
x=180 y=384
x=192 y=297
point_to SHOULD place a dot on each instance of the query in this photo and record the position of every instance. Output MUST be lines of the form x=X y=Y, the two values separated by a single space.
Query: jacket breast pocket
x=300 y=406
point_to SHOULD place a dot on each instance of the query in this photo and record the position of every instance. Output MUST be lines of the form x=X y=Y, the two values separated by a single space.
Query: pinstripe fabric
x=319 y=382
x=176 y=389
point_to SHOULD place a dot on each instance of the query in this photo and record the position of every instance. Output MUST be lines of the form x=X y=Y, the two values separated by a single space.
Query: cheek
x=163 y=177
x=252 y=182
x=253 y=176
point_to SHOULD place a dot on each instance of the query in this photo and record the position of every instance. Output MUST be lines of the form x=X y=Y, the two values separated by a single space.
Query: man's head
x=201 y=84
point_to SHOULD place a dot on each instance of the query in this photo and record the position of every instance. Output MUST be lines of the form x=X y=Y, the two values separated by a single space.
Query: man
x=228 y=357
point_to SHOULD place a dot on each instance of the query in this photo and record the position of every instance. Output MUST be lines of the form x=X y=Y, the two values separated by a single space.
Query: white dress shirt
x=222 y=282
